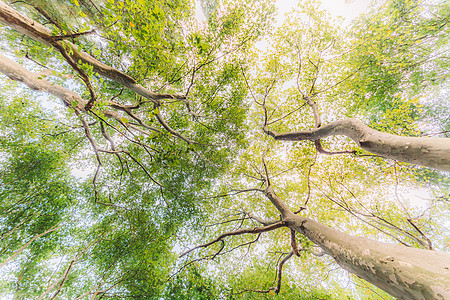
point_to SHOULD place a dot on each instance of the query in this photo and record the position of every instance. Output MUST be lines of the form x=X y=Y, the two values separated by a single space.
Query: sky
x=349 y=9
x=344 y=8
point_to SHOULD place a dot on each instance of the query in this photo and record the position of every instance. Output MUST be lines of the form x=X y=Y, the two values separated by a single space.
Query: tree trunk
x=428 y=152
x=10 y=17
x=404 y=272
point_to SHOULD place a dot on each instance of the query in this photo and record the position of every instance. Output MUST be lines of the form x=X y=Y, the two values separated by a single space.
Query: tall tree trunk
x=429 y=152
x=404 y=272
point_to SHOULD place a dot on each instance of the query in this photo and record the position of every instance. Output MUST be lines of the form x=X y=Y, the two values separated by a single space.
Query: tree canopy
x=176 y=149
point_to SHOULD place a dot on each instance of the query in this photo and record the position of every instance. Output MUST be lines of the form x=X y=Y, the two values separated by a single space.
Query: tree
x=126 y=250
x=165 y=160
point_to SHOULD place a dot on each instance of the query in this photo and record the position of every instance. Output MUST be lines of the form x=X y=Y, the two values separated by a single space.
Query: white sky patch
x=349 y=10
x=199 y=15
x=419 y=198
x=81 y=172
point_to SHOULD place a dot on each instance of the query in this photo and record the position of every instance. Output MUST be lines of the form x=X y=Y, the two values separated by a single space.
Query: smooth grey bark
x=428 y=152
x=36 y=82
x=403 y=272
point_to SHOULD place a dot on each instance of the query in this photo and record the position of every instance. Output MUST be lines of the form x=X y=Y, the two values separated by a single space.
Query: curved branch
x=315 y=109
x=89 y=136
x=278 y=202
x=128 y=109
x=255 y=230
x=38 y=32
x=294 y=243
x=171 y=130
x=259 y=220
x=280 y=271
x=320 y=149
x=35 y=82
x=429 y=152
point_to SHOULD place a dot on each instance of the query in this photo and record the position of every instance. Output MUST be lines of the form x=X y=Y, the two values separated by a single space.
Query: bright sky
x=347 y=9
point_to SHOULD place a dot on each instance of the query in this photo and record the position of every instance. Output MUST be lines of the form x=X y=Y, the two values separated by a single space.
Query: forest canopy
x=170 y=149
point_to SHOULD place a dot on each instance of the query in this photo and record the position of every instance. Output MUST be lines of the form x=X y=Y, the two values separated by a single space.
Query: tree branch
x=28 y=243
x=278 y=202
x=429 y=152
x=294 y=244
x=254 y=230
x=280 y=271
x=259 y=220
x=38 y=32
x=276 y=289
x=16 y=72
x=70 y=36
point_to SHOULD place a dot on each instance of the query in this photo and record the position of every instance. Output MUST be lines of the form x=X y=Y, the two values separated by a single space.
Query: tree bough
x=424 y=151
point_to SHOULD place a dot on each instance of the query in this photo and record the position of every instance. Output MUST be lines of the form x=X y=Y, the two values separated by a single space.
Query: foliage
x=169 y=173
x=402 y=54
x=37 y=191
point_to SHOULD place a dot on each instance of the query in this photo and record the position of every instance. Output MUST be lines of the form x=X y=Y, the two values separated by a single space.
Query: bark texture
x=424 y=151
x=404 y=272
